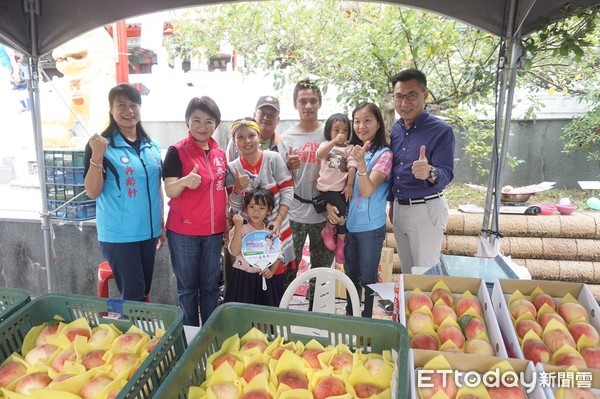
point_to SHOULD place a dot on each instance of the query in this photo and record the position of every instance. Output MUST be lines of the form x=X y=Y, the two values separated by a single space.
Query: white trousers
x=419 y=231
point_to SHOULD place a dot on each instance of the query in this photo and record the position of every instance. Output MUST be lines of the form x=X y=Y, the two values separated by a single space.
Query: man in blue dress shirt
x=423 y=148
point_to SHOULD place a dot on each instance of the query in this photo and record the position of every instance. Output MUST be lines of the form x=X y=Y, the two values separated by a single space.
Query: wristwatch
x=433 y=173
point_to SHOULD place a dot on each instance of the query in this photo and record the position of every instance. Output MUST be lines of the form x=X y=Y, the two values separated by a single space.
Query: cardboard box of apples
x=258 y=352
x=549 y=322
x=450 y=314
x=63 y=346
x=453 y=375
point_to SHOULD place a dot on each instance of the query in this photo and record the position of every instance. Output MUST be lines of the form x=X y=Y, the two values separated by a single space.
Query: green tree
x=358 y=46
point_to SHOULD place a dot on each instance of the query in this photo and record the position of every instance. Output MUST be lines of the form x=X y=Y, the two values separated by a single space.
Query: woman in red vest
x=194 y=173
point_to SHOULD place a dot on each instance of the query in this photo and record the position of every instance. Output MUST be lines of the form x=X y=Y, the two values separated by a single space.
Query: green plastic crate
x=369 y=335
x=11 y=300
x=147 y=317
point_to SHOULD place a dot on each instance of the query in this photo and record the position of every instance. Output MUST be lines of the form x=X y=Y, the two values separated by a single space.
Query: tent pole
x=34 y=99
x=515 y=52
x=494 y=187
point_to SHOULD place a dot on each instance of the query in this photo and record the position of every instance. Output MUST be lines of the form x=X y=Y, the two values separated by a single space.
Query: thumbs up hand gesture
x=358 y=152
x=421 y=167
x=242 y=180
x=193 y=179
x=293 y=160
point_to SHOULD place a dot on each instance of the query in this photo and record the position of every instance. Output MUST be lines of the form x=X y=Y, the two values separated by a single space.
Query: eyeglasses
x=412 y=96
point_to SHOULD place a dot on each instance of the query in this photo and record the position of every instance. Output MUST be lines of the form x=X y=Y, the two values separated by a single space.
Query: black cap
x=269 y=101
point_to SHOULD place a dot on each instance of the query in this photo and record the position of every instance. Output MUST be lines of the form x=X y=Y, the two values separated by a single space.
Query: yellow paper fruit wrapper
x=196 y=393
x=102 y=337
x=229 y=349
x=225 y=373
x=255 y=365
x=40 y=394
x=254 y=340
x=258 y=383
x=132 y=341
x=375 y=370
x=73 y=383
x=295 y=394
x=30 y=339
x=67 y=334
x=565 y=350
x=224 y=389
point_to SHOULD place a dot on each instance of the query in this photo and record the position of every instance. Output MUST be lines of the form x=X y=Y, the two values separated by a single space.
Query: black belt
x=422 y=200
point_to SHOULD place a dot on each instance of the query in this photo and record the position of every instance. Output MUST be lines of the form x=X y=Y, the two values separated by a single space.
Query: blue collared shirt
x=438 y=138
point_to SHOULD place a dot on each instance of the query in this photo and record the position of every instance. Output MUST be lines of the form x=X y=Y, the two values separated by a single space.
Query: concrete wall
x=22 y=263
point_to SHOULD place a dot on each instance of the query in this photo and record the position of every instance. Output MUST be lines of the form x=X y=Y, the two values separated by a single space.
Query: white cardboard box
x=471 y=363
x=552 y=372
x=503 y=289
x=457 y=285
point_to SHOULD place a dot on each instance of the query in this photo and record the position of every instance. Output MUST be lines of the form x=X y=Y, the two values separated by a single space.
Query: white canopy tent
x=36 y=27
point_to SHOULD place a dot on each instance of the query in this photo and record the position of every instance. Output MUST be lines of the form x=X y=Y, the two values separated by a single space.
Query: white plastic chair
x=324 y=298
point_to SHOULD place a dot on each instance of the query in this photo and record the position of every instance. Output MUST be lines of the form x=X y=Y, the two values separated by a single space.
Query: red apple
x=225 y=358
x=417 y=301
x=50 y=329
x=329 y=386
x=255 y=369
x=254 y=343
x=257 y=394
x=451 y=333
x=93 y=359
x=74 y=332
x=465 y=303
x=471 y=326
x=225 y=390
x=570 y=359
x=504 y=392
x=545 y=318
x=128 y=341
x=424 y=341
x=536 y=351
x=342 y=361
x=123 y=362
x=525 y=325
x=555 y=339
x=478 y=346
x=10 y=371
x=581 y=328
x=311 y=356
x=90 y=389
x=66 y=355
x=542 y=299
x=366 y=390
x=571 y=311
x=32 y=381
x=591 y=355
x=40 y=353
x=441 y=313
x=293 y=379
x=418 y=321
x=520 y=307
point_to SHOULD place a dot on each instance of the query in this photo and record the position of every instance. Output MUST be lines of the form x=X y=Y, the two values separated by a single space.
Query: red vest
x=200 y=212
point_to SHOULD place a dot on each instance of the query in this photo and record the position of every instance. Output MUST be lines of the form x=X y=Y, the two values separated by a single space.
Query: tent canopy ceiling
x=61 y=20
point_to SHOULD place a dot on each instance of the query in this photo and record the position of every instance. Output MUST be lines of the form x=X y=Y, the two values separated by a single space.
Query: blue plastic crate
x=64 y=157
x=64 y=175
x=65 y=192
x=73 y=211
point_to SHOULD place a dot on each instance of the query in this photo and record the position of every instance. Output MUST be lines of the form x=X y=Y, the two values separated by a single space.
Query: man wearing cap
x=423 y=164
x=266 y=114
